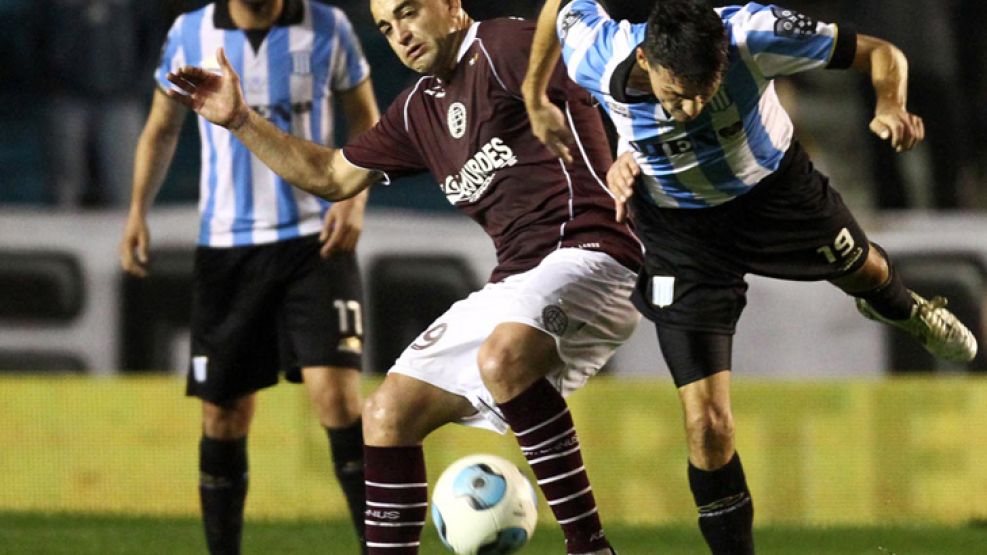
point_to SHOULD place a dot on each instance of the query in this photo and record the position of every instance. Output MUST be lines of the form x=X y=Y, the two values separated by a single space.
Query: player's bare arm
x=620 y=180
x=888 y=69
x=547 y=121
x=314 y=168
x=344 y=220
x=155 y=150
x=342 y=225
x=359 y=108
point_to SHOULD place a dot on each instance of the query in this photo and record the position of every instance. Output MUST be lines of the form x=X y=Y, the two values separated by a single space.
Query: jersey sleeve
x=350 y=67
x=589 y=39
x=782 y=41
x=387 y=147
x=172 y=54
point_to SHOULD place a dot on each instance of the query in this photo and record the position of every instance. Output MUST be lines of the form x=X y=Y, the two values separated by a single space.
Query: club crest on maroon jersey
x=456 y=119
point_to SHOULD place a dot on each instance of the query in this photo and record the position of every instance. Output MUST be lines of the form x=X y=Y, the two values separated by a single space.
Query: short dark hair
x=687 y=37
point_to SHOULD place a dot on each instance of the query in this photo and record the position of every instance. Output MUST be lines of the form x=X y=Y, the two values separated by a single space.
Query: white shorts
x=580 y=297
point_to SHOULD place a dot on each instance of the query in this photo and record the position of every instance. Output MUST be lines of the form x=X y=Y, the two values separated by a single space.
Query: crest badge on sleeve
x=570 y=19
x=792 y=24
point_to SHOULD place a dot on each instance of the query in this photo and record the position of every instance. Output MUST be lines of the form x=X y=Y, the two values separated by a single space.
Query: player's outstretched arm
x=547 y=121
x=888 y=70
x=311 y=167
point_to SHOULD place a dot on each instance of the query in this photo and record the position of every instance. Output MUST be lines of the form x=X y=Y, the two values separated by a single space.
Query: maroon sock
x=543 y=426
x=397 y=499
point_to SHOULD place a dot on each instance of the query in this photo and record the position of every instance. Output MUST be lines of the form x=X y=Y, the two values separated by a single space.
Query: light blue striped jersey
x=311 y=52
x=742 y=133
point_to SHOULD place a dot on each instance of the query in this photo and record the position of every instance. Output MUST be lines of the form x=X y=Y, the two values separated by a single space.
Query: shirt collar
x=618 y=82
x=467 y=41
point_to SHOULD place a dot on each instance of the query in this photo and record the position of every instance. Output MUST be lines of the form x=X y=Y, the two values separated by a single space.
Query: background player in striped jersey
x=719 y=188
x=557 y=304
x=264 y=298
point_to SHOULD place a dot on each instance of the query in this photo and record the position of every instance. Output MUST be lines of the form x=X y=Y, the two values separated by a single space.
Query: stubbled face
x=418 y=30
x=682 y=100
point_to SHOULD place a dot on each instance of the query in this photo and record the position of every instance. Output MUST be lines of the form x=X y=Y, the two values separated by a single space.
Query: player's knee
x=375 y=411
x=328 y=397
x=382 y=419
x=498 y=364
x=335 y=394
x=227 y=421
x=507 y=372
x=337 y=408
x=710 y=427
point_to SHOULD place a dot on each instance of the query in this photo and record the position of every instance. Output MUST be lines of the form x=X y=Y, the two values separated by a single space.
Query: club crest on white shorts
x=554 y=319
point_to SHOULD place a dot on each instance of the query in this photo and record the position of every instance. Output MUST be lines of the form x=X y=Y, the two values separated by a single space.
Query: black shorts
x=792 y=225
x=260 y=310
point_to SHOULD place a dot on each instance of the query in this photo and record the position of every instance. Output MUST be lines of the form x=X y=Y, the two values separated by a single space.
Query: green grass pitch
x=81 y=534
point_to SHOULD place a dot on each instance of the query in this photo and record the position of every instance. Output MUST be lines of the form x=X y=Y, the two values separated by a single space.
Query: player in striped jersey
x=719 y=188
x=276 y=285
x=558 y=301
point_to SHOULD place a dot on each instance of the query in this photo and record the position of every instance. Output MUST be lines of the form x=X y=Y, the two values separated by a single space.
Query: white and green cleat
x=935 y=327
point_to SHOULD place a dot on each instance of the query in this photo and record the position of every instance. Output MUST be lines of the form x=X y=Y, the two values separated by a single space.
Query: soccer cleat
x=937 y=329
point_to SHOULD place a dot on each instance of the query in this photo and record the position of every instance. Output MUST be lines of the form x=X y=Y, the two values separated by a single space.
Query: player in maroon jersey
x=557 y=303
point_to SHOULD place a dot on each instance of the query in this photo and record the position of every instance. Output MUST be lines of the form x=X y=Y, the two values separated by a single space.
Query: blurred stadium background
x=842 y=422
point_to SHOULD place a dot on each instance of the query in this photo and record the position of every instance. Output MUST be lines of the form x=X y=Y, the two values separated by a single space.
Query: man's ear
x=642 y=60
x=459 y=16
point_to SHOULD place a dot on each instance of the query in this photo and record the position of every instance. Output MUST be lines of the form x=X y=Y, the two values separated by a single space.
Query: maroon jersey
x=472 y=133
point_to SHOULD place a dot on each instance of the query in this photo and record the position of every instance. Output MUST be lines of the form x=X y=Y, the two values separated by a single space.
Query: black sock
x=726 y=512
x=346 y=446
x=891 y=299
x=222 y=491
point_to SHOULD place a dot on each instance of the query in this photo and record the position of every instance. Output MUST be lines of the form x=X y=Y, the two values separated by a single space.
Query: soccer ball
x=483 y=504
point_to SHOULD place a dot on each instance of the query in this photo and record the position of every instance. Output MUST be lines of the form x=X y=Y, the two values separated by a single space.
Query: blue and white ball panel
x=484 y=504
x=508 y=541
x=482 y=485
x=741 y=136
x=440 y=526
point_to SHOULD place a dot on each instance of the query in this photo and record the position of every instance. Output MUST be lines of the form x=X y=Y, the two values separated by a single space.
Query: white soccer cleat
x=935 y=327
